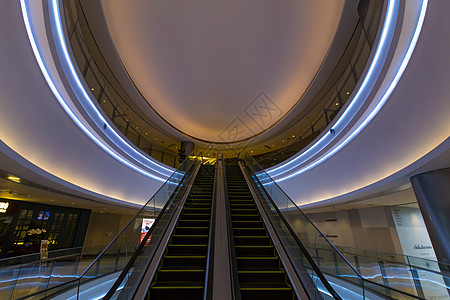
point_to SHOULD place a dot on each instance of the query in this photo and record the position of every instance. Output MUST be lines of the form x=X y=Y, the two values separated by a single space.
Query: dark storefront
x=64 y=227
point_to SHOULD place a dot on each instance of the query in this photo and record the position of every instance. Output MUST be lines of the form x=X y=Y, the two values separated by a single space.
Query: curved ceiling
x=222 y=71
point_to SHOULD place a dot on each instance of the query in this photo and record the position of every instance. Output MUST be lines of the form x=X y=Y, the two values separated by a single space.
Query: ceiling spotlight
x=14 y=178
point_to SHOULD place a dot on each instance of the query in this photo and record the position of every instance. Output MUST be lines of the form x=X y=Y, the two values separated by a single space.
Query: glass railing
x=143 y=232
x=424 y=277
x=27 y=274
x=296 y=231
x=111 y=97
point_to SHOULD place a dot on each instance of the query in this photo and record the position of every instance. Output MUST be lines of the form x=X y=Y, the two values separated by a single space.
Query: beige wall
x=104 y=227
x=368 y=228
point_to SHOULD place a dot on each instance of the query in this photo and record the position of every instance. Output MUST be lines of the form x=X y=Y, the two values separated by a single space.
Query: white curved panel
x=413 y=122
x=35 y=127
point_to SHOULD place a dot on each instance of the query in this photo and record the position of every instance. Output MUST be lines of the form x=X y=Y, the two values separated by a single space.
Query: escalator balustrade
x=182 y=270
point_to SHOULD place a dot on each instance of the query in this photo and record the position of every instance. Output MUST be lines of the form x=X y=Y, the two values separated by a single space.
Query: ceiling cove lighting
x=359 y=98
x=63 y=103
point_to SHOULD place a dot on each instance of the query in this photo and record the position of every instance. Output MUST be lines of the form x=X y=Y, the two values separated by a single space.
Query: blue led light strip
x=63 y=103
x=347 y=116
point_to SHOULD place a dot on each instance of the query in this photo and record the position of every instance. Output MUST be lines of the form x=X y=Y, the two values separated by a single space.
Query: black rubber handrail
x=236 y=289
x=305 y=252
x=208 y=292
x=141 y=246
x=107 y=247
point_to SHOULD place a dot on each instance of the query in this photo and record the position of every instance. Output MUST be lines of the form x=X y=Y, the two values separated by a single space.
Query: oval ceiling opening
x=222 y=71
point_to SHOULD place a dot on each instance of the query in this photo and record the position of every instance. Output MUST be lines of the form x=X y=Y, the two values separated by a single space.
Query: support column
x=185 y=149
x=432 y=191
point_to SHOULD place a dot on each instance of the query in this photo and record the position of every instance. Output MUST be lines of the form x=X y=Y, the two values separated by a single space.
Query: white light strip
x=380 y=103
x=91 y=109
x=60 y=99
x=355 y=104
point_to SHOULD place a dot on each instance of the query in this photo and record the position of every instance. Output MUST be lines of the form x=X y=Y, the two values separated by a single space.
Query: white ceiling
x=200 y=64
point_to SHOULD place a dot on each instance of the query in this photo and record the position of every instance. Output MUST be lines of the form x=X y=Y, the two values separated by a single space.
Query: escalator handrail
x=307 y=255
x=316 y=269
x=211 y=242
x=136 y=253
x=295 y=205
x=77 y=278
x=133 y=219
x=236 y=294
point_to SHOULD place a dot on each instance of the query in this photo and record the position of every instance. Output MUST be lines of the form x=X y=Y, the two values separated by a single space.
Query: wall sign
x=4 y=207
x=146 y=224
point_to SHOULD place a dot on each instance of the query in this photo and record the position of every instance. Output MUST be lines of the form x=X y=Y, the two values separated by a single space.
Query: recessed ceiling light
x=92 y=89
x=14 y=178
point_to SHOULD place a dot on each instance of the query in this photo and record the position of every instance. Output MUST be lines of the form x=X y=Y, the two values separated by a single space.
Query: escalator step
x=279 y=292
x=191 y=230
x=254 y=251
x=181 y=290
x=182 y=249
x=246 y=217
x=181 y=274
x=181 y=261
x=248 y=224
x=193 y=223
x=190 y=239
x=258 y=263
x=258 y=277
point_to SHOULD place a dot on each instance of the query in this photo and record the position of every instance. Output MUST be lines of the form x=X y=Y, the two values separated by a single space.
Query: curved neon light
x=91 y=108
x=63 y=103
x=325 y=140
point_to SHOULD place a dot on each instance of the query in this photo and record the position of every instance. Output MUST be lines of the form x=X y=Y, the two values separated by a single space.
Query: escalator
x=182 y=270
x=222 y=232
x=260 y=271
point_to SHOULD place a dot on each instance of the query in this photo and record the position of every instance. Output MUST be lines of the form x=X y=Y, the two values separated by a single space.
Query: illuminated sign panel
x=146 y=224
x=3 y=207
